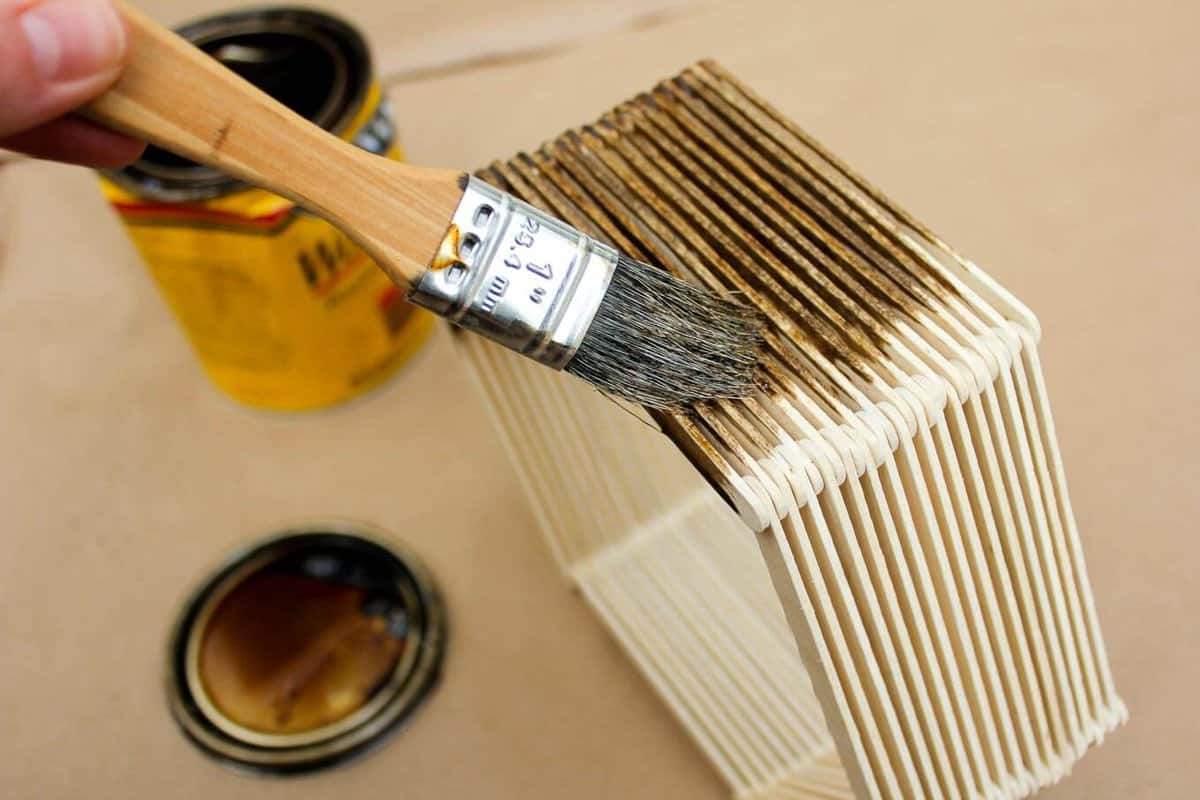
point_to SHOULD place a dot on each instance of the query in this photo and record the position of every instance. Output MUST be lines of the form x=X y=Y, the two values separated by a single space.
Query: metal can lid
x=305 y=649
x=315 y=63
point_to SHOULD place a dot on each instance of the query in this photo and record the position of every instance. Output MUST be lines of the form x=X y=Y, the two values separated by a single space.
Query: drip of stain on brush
x=536 y=285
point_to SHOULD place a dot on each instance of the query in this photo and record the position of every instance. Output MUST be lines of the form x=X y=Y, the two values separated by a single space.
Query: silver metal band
x=517 y=276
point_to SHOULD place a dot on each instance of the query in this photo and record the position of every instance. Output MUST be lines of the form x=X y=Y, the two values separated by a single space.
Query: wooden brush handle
x=177 y=97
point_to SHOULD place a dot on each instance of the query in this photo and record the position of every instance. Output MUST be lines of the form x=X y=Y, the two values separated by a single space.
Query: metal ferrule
x=517 y=276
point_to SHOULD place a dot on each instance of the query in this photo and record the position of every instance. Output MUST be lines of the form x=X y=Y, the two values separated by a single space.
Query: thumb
x=55 y=55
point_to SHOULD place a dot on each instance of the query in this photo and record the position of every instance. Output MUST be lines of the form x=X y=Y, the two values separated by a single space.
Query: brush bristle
x=666 y=344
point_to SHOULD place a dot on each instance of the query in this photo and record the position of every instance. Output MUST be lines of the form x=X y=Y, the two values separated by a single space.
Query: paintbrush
x=467 y=251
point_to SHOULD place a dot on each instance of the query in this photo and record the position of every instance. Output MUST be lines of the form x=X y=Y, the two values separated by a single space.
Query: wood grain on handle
x=177 y=97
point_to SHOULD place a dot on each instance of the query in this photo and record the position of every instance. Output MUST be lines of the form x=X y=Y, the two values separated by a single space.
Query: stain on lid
x=305 y=649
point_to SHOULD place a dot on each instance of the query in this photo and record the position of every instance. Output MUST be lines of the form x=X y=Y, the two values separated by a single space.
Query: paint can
x=283 y=310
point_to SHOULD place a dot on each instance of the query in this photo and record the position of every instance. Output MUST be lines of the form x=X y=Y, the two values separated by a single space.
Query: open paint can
x=283 y=310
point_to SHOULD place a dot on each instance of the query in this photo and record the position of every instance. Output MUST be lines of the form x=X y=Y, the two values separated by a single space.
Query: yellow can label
x=282 y=309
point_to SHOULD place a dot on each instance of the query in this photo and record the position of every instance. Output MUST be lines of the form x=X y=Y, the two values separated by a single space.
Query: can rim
x=342 y=40
x=411 y=680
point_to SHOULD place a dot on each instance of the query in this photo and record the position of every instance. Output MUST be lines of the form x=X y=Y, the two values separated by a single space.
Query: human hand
x=55 y=55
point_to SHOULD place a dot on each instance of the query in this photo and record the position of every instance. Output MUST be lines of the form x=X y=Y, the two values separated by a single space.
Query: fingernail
x=71 y=39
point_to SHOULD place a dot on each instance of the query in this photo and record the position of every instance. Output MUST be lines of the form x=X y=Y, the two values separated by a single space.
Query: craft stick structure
x=886 y=595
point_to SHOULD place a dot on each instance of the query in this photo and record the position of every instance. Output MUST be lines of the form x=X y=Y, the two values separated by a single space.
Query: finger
x=54 y=56
x=76 y=141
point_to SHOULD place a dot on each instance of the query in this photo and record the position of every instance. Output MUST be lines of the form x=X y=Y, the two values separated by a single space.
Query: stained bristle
x=667 y=344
